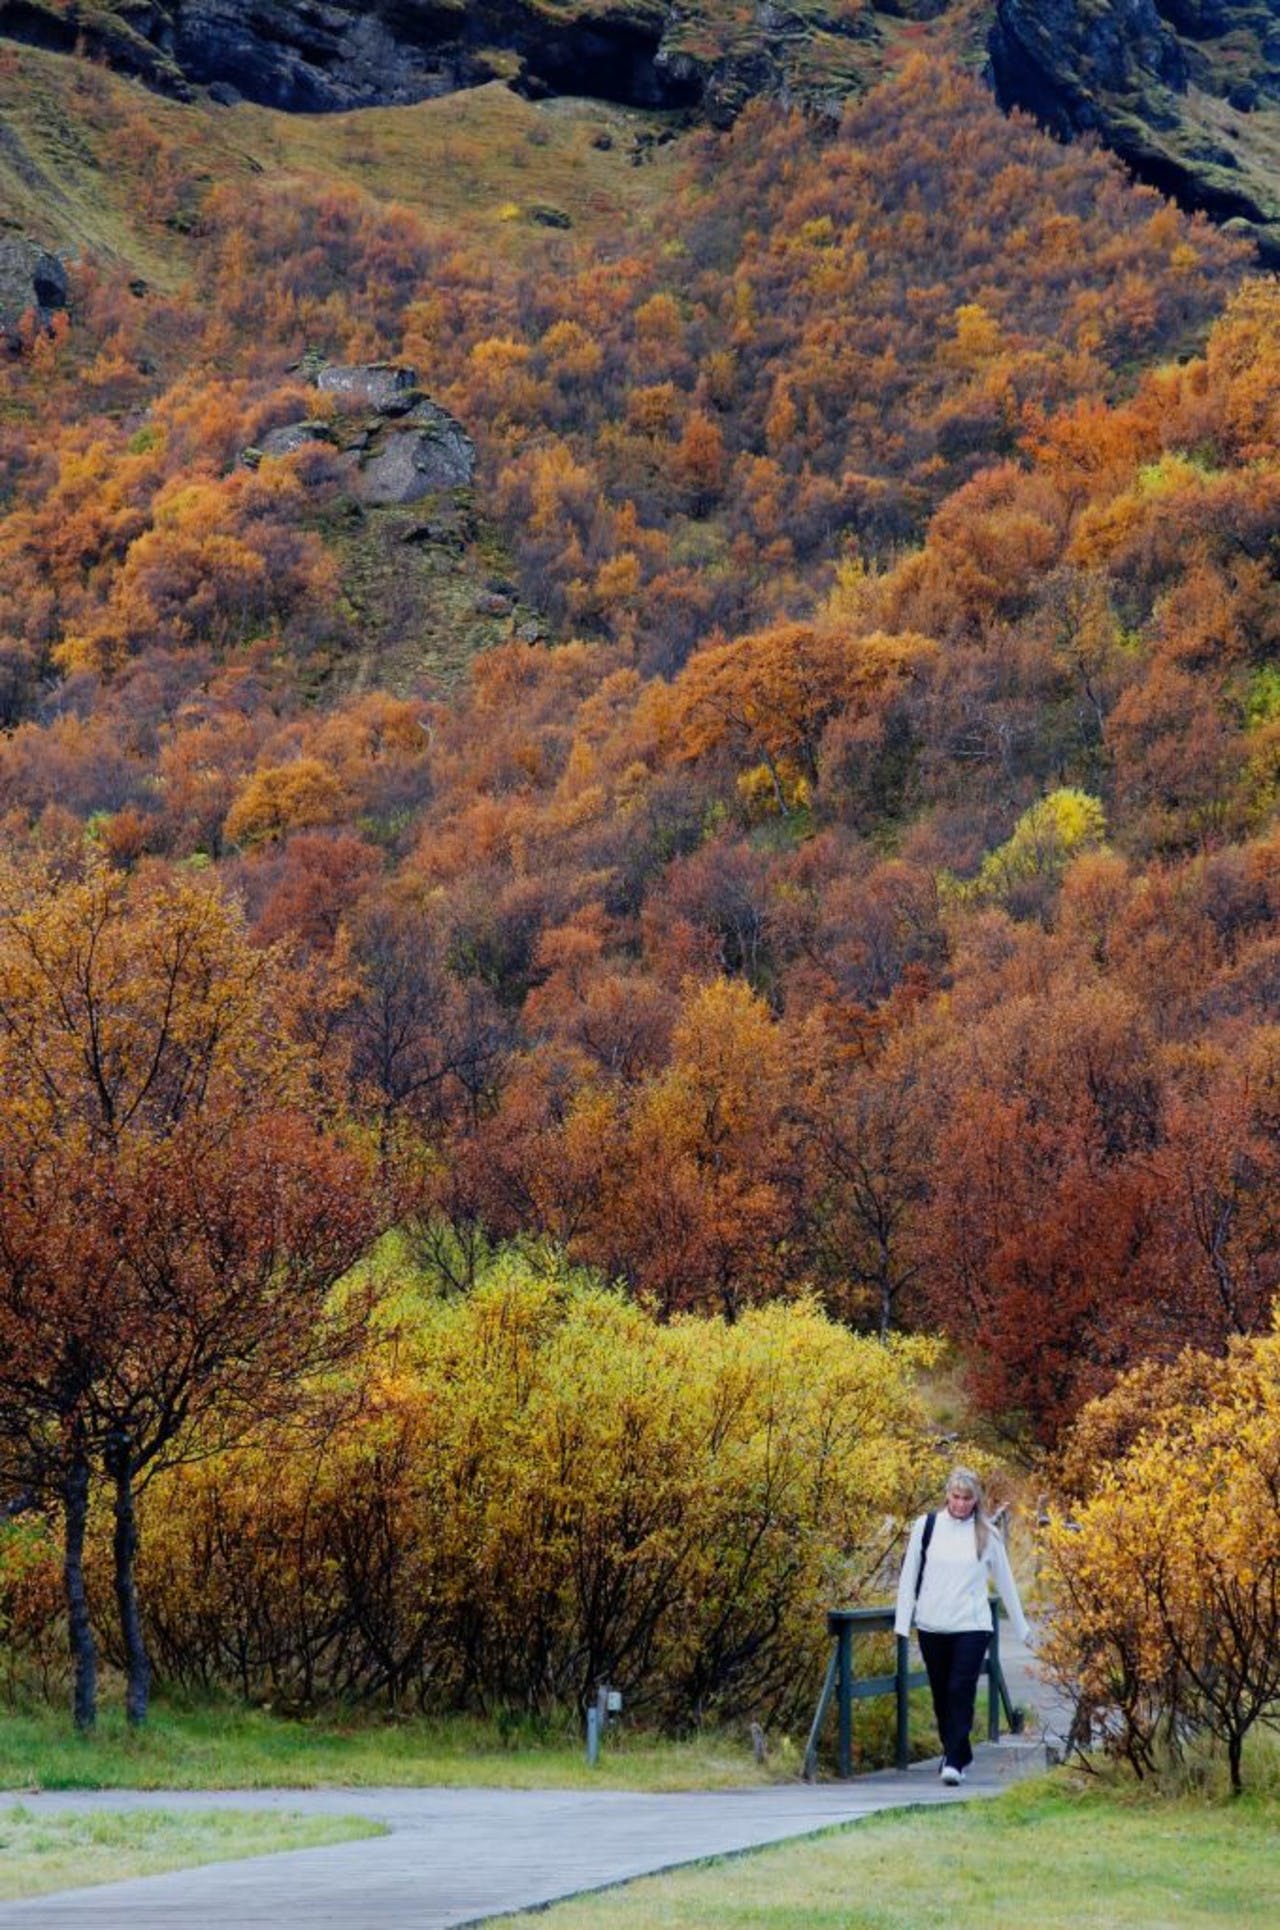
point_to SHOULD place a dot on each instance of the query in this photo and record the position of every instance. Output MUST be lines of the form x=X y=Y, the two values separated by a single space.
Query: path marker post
x=608 y=1703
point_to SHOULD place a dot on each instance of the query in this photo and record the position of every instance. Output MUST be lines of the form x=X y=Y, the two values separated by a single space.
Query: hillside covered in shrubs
x=723 y=697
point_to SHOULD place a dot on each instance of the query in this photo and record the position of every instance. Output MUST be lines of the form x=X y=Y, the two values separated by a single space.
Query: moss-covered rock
x=32 y=282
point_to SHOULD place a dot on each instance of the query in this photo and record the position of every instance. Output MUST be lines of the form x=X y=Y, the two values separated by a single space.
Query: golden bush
x=550 y=1488
x=1167 y=1580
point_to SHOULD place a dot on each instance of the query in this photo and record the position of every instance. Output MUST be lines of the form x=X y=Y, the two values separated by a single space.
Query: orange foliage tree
x=173 y=1216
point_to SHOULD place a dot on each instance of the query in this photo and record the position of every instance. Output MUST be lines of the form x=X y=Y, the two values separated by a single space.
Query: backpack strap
x=925 y=1539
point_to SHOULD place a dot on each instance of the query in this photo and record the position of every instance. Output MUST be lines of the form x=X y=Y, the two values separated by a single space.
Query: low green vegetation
x=1065 y=1854
x=43 y=1853
x=225 y=1747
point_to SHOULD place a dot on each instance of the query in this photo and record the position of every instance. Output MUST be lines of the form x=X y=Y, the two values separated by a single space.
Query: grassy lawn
x=1060 y=1854
x=42 y=1853
x=228 y=1747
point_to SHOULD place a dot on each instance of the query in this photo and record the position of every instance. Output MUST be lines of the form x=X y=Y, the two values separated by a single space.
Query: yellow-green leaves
x=1168 y=1577
x=554 y=1486
x=1043 y=842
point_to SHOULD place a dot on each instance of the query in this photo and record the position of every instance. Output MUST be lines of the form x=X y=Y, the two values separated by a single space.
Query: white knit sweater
x=955 y=1592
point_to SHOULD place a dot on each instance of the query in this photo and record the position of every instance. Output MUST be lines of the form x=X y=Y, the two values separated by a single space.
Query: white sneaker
x=951 y=1776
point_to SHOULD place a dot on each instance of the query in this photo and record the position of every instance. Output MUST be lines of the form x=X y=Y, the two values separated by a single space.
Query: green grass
x=228 y=1747
x=43 y=1853
x=478 y=161
x=1057 y=1855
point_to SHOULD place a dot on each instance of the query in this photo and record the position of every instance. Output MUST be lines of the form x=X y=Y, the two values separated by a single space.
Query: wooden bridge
x=847 y=1687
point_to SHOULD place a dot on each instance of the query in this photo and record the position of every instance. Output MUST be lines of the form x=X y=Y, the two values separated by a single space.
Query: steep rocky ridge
x=321 y=55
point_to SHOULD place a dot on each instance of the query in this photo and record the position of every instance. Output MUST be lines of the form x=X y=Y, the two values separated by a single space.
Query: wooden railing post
x=993 y=1677
x=902 y=1689
x=844 y=1690
x=819 y=1716
x=844 y=1686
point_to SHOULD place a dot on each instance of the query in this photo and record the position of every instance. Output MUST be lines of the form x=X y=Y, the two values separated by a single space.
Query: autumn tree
x=173 y=1216
x=425 y=1046
x=867 y=1130
x=707 y=1183
x=766 y=699
x=1041 y=1238
x=1167 y=1576
x=1220 y=1232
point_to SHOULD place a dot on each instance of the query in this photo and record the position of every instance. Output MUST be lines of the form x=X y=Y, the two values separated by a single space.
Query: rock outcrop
x=395 y=445
x=381 y=386
x=133 y=36
x=322 y=55
x=32 y=281
x=416 y=455
x=292 y=436
x=1187 y=92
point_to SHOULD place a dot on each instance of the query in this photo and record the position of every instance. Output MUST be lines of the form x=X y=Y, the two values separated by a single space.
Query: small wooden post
x=902 y=1689
x=845 y=1693
x=993 y=1677
x=824 y=1703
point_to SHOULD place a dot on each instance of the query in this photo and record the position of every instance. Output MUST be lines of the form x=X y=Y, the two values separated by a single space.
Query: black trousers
x=953 y=1664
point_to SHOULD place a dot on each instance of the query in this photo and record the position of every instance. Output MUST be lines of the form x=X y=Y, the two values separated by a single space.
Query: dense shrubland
x=823 y=336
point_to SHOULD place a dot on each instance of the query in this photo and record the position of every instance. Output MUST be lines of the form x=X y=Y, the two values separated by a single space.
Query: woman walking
x=951 y=1559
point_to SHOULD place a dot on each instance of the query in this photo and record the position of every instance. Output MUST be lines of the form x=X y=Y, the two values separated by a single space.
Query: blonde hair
x=965 y=1481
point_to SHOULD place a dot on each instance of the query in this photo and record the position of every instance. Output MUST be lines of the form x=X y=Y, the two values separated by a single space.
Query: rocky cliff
x=1186 y=91
x=322 y=55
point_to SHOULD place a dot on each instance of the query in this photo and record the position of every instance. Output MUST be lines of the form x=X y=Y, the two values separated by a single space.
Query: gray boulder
x=293 y=435
x=380 y=385
x=431 y=451
x=30 y=278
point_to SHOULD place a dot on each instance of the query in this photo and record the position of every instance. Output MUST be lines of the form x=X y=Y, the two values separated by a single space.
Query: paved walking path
x=460 y=1856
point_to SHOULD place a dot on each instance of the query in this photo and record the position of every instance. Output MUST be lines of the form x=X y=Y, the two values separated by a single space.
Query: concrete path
x=462 y=1856
x=459 y=1856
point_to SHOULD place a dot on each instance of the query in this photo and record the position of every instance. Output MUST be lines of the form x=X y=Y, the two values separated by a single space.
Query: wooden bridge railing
x=848 y=1687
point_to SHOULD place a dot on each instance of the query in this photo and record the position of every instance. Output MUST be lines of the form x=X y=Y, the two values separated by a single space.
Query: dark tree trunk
x=75 y=1497
x=125 y=1547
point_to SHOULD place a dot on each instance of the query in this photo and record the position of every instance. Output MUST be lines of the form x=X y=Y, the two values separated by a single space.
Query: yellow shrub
x=553 y=1488
x=33 y=1636
x=1168 y=1579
